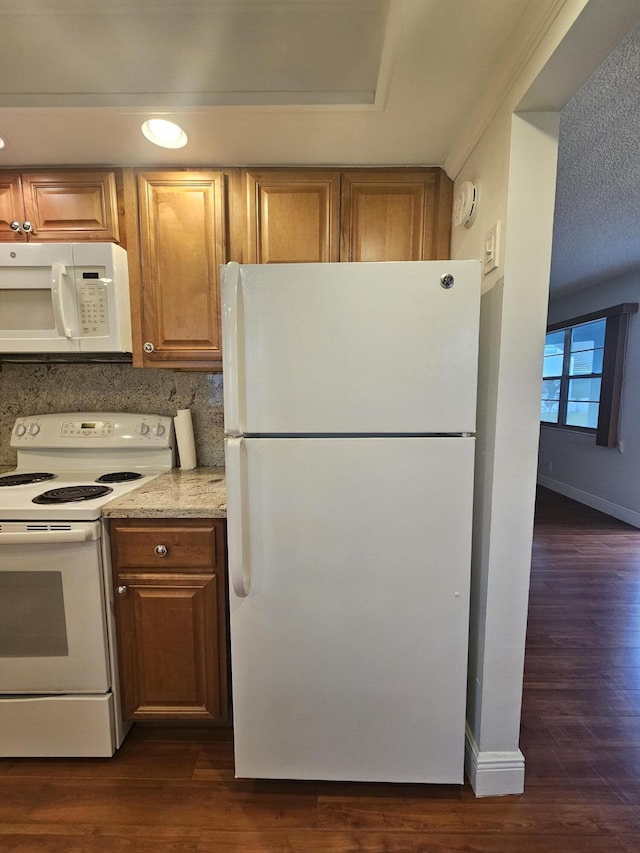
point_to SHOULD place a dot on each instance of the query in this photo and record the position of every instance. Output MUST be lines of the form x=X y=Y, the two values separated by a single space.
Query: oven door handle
x=47 y=537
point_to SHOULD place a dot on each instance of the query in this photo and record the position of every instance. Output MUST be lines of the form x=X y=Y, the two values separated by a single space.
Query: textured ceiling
x=597 y=217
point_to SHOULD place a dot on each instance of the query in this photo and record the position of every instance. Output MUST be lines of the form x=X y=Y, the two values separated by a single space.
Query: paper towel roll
x=185 y=439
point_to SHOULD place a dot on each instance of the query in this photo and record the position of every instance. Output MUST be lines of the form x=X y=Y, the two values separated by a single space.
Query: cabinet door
x=78 y=206
x=293 y=216
x=11 y=207
x=182 y=244
x=395 y=215
x=168 y=646
x=171 y=618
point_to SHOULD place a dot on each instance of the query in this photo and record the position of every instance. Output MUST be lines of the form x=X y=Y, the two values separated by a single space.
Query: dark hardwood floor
x=173 y=789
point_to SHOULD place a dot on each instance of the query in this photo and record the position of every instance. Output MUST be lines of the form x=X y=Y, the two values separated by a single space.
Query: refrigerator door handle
x=232 y=309
x=239 y=568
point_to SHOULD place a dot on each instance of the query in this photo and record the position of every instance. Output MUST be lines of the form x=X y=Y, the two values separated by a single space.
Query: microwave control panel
x=91 y=298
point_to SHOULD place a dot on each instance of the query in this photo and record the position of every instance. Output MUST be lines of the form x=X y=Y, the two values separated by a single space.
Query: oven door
x=53 y=636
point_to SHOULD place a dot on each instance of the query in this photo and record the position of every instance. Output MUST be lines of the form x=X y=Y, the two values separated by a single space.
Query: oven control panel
x=84 y=429
x=97 y=429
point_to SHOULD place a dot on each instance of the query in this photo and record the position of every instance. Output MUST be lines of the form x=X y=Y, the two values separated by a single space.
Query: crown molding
x=529 y=34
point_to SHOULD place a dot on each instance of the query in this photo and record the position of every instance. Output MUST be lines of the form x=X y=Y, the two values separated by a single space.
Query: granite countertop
x=200 y=493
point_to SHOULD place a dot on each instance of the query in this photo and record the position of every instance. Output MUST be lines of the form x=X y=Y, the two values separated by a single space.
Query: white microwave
x=64 y=298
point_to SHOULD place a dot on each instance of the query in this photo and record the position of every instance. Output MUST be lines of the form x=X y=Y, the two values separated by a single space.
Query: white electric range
x=69 y=465
x=59 y=691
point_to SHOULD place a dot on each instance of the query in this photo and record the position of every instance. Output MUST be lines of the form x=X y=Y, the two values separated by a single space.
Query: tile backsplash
x=29 y=389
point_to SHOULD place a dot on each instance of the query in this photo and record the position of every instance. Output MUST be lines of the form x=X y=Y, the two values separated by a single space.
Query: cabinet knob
x=161 y=550
x=15 y=226
x=28 y=227
x=148 y=347
x=121 y=590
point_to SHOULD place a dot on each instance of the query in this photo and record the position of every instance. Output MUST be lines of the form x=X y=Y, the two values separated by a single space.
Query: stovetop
x=68 y=454
x=17 y=502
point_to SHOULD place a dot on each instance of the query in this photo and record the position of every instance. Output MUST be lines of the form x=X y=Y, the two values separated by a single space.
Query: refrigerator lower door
x=349 y=562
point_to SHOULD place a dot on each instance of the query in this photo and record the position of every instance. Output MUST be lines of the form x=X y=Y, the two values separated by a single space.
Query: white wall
x=570 y=462
x=513 y=157
x=515 y=164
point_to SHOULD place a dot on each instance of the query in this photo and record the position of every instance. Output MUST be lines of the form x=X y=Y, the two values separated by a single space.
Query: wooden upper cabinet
x=182 y=224
x=73 y=206
x=182 y=244
x=78 y=205
x=11 y=207
x=313 y=215
x=293 y=216
x=395 y=215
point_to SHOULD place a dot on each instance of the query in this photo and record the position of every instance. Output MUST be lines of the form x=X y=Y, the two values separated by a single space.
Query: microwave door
x=38 y=311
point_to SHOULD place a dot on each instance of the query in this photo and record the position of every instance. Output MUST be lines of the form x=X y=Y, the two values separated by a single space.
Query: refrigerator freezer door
x=349 y=618
x=350 y=348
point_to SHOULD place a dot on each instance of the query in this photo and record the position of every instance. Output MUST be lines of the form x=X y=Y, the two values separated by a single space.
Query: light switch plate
x=491 y=249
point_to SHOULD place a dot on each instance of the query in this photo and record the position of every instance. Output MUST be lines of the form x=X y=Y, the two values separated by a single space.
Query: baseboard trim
x=493 y=774
x=622 y=513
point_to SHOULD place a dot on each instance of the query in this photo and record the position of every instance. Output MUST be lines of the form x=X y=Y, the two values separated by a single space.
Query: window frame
x=615 y=341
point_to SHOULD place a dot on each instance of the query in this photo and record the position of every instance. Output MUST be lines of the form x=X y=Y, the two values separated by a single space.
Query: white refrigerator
x=350 y=406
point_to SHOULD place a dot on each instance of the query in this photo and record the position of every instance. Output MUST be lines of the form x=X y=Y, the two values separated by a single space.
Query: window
x=582 y=373
x=572 y=375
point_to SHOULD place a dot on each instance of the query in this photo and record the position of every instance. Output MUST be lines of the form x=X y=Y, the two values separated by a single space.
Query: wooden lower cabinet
x=171 y=618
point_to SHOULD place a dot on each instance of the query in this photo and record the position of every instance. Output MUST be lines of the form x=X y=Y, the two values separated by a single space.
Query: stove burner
x=71 y=494
x=24 y=479
x=119 y=477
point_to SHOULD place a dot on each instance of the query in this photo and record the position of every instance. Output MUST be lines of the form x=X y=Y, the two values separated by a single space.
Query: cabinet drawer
x=192 y=544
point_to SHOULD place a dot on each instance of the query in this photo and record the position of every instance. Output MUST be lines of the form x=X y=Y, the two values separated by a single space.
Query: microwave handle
x=58 y=272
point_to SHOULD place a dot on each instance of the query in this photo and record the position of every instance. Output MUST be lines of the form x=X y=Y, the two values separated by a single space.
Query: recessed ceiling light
x=164 y=133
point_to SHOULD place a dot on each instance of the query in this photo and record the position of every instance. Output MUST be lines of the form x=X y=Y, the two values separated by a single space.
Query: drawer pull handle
x=121 y=591
x=161 y=550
